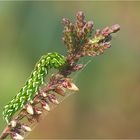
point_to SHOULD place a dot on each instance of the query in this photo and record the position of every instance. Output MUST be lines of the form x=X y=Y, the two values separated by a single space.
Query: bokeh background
x=108 y=104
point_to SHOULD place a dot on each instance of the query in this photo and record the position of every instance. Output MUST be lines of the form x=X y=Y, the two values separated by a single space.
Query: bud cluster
x=32 y=111
x=16 y=127
x=76 y=34
x=100 y=42
x=78 y=37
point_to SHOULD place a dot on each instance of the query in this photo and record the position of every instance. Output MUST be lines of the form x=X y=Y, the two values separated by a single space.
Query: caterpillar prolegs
x=36 y=79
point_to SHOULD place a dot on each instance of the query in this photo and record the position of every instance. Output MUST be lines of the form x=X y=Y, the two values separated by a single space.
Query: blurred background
x=107 y=105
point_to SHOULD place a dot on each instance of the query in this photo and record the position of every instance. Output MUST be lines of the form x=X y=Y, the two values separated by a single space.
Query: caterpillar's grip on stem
x=25 y=95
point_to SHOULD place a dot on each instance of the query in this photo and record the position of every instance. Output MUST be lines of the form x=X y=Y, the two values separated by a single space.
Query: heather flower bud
x=38 y=111
x=53 y=99
x=80 y=16
x=64 y=83
x=98 y=32
x=115 y=28
x=69 y=85
x=78 y=67
x=65 y=21
x=44 y=94
x=72 y=87
x=26 y=128
x=59 y=90
x=29 y=109
x=80 y=25
x=106 y=31
x=13 y=123
x=45 y=105
x=17 y=136
x=107 y=45
x=87 y=30
x=89 y=25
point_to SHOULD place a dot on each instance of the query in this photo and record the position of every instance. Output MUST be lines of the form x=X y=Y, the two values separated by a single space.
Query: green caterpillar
x=36 y=79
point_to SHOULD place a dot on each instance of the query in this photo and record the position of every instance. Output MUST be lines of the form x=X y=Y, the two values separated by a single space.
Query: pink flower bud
x=37 y=111
x=78 y=67
x=98 y=32
x=44 y=94
x=45 y=105
x=53 y=99
x=13 y=123
x=26 y=128
x=65 y=21
x=106 y=31
x=89 y=25
x=72 y=87
x=59 y=90
x=80 y=16
x=16 y=136
x=107 y=45
x=115 y=28
x=29 y=109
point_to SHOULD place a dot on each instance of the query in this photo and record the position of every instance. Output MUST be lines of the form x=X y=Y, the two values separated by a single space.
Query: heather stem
x=79 y=42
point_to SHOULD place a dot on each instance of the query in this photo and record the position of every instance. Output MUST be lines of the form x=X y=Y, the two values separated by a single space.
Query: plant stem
x=79 y=42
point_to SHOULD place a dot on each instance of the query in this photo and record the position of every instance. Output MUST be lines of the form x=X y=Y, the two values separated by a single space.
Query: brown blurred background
x=108 y=103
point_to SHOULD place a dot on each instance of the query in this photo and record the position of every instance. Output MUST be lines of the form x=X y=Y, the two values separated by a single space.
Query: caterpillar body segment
x=36 y=79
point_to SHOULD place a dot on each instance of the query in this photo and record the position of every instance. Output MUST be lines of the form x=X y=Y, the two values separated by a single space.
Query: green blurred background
x=108 y=103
